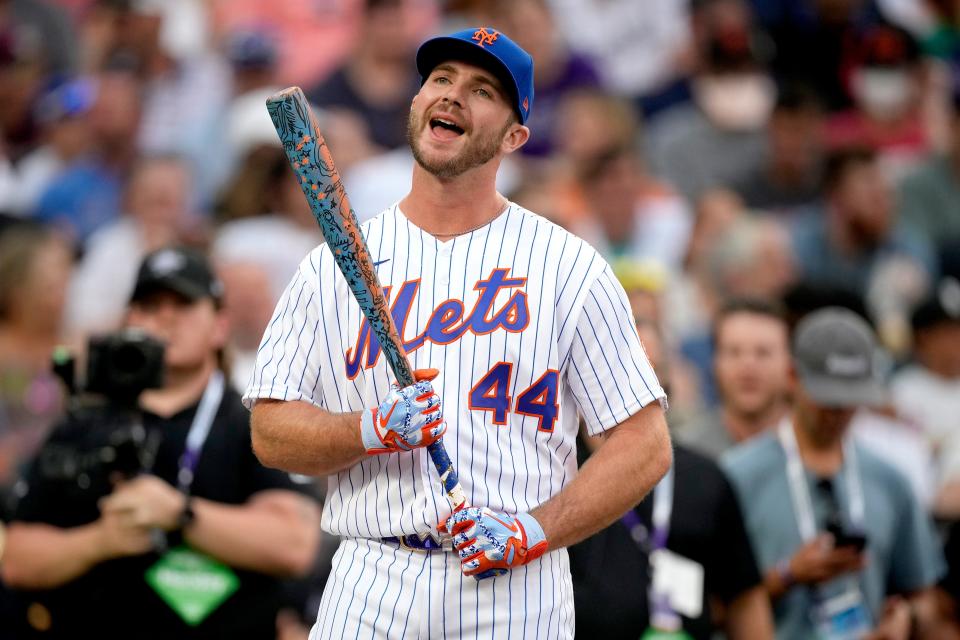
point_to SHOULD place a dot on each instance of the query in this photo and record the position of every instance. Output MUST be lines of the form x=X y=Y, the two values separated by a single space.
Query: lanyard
x=199 y=430
x=662 y=615
x=799 y=492
x=662 y=508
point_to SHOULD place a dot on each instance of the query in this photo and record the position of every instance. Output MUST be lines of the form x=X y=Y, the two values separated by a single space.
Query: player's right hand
x=407 y=419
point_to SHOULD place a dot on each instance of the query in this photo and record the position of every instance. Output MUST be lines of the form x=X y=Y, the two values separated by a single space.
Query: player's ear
x=516 y=136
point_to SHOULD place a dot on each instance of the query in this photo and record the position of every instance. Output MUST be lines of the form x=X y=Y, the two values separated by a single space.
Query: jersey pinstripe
x=528 y=327
x=381 y=591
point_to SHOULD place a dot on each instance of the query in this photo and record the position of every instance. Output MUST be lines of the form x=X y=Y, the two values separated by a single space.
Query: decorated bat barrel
x=311 y=161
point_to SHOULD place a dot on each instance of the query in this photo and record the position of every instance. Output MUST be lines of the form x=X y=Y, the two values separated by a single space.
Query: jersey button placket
x=443 y=268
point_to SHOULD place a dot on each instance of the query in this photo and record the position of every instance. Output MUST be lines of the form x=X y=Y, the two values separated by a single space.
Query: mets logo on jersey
x=449 y=321
x=484 y=37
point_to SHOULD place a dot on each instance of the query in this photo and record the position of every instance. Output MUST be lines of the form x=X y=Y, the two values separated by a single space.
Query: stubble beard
x=478 y=151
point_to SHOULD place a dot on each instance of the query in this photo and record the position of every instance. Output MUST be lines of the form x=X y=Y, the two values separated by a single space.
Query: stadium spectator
x=589 y=123
x=854 y=241
x=298 y=28
x=751 y=362
x=66 y=138
x=377 y=80
x=646 y=284
x=36 y=44
x=899 y=443
x=86 y=551
x=246 y=125
x=558 y=70
x=630 y=214
x=87 y=194
x=35 y=266
x=690 y=523
x=180 y=74
x=833 y=25
x=836 y=530
x=256 y=251
x=157 y=214
x=751 y=259
x=930 y=197
x=640 y=54
x=690 y=303
x=790 y=174
x=885 y=78
x=926 y=392
x=718 y=139
x=277 y=230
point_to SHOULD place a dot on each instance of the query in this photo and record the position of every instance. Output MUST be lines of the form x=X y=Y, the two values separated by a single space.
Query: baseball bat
x=311 y=161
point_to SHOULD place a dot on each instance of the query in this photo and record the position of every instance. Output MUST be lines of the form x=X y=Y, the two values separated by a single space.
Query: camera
x=103 y=433
x=121 y=366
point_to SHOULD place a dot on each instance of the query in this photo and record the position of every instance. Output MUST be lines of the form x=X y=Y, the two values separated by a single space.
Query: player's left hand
x=490 y=543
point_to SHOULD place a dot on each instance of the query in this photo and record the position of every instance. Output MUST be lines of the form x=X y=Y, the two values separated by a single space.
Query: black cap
x=178 y=269
x=941 y=307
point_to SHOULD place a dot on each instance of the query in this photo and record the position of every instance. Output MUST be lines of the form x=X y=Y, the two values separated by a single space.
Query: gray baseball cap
x=834 y=351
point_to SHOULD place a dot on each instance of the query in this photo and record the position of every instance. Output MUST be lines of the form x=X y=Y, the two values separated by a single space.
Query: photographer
x=193 y=545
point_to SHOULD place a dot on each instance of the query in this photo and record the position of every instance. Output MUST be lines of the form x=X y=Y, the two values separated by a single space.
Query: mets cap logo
x=484 y=37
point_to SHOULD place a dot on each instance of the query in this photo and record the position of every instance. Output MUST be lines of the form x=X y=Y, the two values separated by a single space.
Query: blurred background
x=801 y=151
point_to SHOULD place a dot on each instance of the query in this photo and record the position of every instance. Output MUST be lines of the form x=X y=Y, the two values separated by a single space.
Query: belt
x=422 y=543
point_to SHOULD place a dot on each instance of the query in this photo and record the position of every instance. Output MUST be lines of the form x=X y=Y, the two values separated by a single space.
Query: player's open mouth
x=445 y=128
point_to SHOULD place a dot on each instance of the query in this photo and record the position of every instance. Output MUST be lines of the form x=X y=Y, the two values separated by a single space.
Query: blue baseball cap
x=488 y=48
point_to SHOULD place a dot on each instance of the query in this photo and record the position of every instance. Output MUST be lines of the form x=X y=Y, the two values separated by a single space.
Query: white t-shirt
x=933 y=404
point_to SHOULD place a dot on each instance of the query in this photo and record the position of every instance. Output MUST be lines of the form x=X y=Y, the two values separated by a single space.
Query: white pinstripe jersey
x=527 y=325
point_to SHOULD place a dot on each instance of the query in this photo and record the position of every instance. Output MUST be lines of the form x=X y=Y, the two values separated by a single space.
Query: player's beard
x=478 y=151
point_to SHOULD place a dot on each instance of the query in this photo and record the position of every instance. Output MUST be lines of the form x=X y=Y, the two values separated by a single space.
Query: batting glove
x=491 y=543
x=407 y=418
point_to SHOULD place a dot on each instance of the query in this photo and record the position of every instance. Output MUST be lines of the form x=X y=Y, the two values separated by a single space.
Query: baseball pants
x=379 y=590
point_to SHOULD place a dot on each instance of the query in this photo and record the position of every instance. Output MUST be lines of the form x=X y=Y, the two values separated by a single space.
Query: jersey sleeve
x=291 y=352
x=608 y=370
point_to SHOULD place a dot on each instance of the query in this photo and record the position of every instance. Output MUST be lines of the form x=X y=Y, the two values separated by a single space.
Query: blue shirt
x=821 y=264
x=903 y=554
x=82 y=199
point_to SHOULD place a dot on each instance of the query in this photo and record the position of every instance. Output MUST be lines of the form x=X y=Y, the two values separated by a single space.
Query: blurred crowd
x=804 y=153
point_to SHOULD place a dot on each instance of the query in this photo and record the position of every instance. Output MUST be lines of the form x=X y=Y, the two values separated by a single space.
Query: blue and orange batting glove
x=490 y=543
x=407 y=418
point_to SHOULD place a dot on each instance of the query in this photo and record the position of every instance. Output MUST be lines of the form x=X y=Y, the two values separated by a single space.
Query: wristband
x=187 y=516
x=784 y=574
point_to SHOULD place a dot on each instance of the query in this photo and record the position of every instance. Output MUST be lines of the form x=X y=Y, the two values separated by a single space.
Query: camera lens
x=128 y=360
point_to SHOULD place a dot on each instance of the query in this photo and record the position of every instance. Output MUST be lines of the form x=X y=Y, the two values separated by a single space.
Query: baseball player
x=516 y=328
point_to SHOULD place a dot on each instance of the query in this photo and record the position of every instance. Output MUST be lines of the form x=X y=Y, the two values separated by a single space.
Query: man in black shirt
x=697 y=531
x=194 y=546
